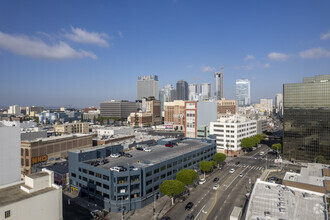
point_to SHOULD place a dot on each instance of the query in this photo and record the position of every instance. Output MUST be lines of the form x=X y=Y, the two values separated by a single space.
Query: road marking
x=199 y=212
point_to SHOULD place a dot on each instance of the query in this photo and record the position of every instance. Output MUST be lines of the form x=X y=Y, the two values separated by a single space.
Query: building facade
x=36 y=152
x=227 y=106
x=205 y=91
x=72 y=128
x=229 y=132
x=182 y=90
x=193 y=92
x=174 y=115
x=279 y=104
x=120 y=109
x=147 y=86
x=306 y=119
x=167 y=94
x=92 y=173
x=218 y=85
x=14 y=110
x=243 y=94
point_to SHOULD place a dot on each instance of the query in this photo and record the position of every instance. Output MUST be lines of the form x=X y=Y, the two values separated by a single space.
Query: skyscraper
x=167 y=94
x=218 y=85
x=307 y=119
x=147 y=86
x=193 y=91
x=205 y=91
x=279 y=104
x=182 y=90
x=243 y=94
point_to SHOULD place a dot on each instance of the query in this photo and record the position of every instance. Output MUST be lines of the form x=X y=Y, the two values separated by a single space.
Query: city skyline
x=53 y=56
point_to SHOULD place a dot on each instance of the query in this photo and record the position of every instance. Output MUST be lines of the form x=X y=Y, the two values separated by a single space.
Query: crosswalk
x=263 y=158
x=250 y=167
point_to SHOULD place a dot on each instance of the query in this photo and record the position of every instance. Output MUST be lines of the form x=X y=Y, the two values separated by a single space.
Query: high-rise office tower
x=218 y=85
x=193 y=92
x=279 y=104
x=205 y=91
x=307 y=119
x=167 y=94
x=147 y=86
x=182 y=90
x=243 y=94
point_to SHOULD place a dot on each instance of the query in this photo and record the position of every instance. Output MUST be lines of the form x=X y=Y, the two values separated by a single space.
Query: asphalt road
x=218 y=204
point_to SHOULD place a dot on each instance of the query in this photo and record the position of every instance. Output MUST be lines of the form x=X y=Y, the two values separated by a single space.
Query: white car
x=232 y=171
x=241 y=175
x=216 y=186
x=117 y=169
x=114 y=155
x=95 y=213
x=261 y=153
x=147 y=149
x=244 y=165
x=202 y=181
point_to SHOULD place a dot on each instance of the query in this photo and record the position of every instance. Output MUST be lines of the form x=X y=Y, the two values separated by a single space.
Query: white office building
x=10 y=156
x=229 y=132
x=268 y=103
x=218 y=85
x=193 y=92
x=205 y=91
x=279 y=104
x=14 y=110
x=147 y=86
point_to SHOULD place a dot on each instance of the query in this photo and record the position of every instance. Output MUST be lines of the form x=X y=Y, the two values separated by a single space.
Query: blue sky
x=80 y=53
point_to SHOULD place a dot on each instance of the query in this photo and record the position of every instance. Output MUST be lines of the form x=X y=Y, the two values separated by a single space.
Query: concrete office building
x=279 y=104
x=36 y=198
x=91 y=115
x=120 y=109
x=218 y=85
x=174 y=115
x=227 y=107
x=268 y=103
x=167 y=94
x=9 y=153
x=14 y=110
x=275 y=201
x=192 y=92
x=182 y=90
x=198 y=114
x=243 y=94
x=72 y=128
x=93 y=172
x=39 y=151
x=230 y=131
x=153 y=106
x=306 y=119
x=205 y=91
x=147 y=86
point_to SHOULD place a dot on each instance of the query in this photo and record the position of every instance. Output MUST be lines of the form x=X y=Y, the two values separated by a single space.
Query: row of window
x=92 y=173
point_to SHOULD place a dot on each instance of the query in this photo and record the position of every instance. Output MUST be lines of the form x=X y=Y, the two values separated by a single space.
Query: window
x=105 y=186
x=163 y=168
x=98 y=183
x=26 y=152
x=163 y=176
x=149 y=182
x=22 y=161
x=91 y=173
x=149 y=174
x=7 y=214
x=79 y=169
x=105 y=177
x=84 y=179
x=98 y=175
x=106 y=195
x=169 y=173
x=156 y=170
x=22 y=152
x=156 y=187
x=156 y=179
x=73 y=175
x=84 y=171
x=169 y=165
x=27 y=162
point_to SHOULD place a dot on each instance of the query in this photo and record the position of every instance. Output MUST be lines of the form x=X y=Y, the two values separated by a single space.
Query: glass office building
x=243 y=94
x=307 y=119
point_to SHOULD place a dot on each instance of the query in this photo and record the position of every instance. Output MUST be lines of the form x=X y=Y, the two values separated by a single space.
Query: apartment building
x=174 y=115
x=72 y=128
x=227 y=106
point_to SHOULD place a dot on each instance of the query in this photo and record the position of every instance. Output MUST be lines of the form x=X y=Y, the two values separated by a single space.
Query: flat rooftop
x=275 y=201
x=158 y=154
x=37 y=175
x=13 y=194
x=53 y=138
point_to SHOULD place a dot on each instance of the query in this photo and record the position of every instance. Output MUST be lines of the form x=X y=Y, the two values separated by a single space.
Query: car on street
x=169 y=145
x=139 y=148
x=241 y=175
x=202 y=181
x=128 y=155
x=244 y=165
x=232 y=171
x=216 y=186
x=261 y=153
x=147 y=149
x=95 y=213
x=255 y=157
x=114 y=155
x=189 y=206
x=190 y=217
x=165 y=218
x=215 y=179
x=237 y=162
x=133 y=168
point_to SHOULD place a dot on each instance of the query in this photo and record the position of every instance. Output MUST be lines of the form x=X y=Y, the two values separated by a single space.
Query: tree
x=277 y=147
x=214 y=164
x=175 y=128
x=186 y=176
x=320 y=159
x=260 y=137
x=247 y=143
x=205 y=166
x=219 y=157
x=171 y=188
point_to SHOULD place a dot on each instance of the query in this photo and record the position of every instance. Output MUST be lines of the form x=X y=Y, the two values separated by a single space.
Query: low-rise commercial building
x=72 y=128
x=174 y=115
x=39 y=151
x=227 y=106
x=140 y=119
x=131 y=183
x=229 y=132
x=36 y=198
x=274 y=201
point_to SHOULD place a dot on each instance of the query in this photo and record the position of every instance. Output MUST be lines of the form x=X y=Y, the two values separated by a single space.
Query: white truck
x=236 y=214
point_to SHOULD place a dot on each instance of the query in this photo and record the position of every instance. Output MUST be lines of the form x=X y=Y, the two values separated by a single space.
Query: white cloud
x=82 y=36
x=278 y=56
x=189 y=66
x=248 y=67
x=120 y=34
x=266 y=65
x=249 y=57
x=314 y=53
x=34 y=47
x=325 y=36
x=207 y=69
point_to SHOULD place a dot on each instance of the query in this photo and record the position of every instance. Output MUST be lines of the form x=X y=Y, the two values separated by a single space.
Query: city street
x=218 y=204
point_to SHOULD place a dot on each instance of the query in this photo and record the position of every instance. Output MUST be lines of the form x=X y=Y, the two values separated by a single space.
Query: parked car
x=165 y=218
x=215 y=179
x=232 y=171
x=117 y=169
x=244 y=165
x=216 y=186
x=261 y=153
x=147 y=149
x=202 y=181
x=133 y=168
x=241 y=175
x=128 y=155
x=190 y=217
x=169 y=145
x=139 y=148
x=114 y=155
x=237 y=162
x=189 y=206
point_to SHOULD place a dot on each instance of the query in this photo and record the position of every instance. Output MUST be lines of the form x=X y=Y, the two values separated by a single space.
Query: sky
x=80 y=53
